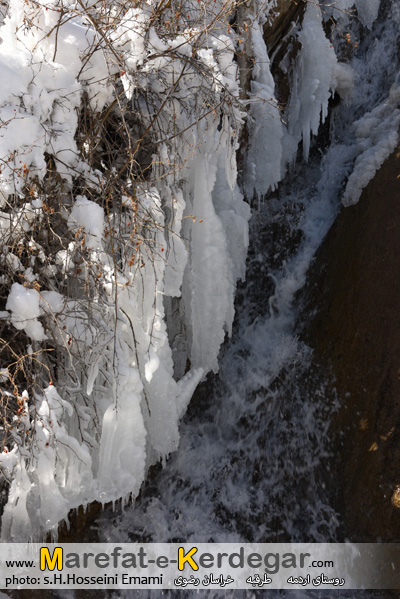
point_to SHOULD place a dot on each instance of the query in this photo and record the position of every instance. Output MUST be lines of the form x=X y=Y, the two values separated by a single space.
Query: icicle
x=263 y=163
x=314 y=81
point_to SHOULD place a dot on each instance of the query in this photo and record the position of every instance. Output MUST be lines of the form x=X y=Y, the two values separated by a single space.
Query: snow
x=45 y=76
x=23 y=303
x=53 y=301
x=88 y=216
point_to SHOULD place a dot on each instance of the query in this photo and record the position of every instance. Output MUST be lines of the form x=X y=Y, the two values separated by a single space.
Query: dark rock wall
x=356 y=294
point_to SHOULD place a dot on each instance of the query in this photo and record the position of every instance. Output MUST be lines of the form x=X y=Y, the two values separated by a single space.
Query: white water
x=255 y=444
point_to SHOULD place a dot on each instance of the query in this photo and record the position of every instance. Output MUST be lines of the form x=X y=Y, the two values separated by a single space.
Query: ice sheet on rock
x=218 y=241
x=176 y=250
x=73 y=469
x=143 y=306
x=234 y=214
x=208 y=276
x=377 y=137
x=186 y=387
x=343 y=81
x=52 y=479
x=367 y=10
x=122 y=445
x=53 y=506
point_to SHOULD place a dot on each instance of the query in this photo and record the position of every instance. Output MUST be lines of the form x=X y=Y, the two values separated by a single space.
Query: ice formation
x=264 y=161
x=136 y=299
x=377 y=135
x=313 y=84
x=100 y=301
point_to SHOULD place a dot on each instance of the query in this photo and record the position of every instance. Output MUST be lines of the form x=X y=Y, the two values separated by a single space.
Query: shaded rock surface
x=355 y=294
x=279 y=24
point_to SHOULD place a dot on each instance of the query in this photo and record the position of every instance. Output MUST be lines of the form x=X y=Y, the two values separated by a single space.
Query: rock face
x=276 y=32
x=280 y=41
x=279 y=24
x=356 y=290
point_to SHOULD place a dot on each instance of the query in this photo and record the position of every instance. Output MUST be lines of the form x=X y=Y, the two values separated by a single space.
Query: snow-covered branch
x=123 y=234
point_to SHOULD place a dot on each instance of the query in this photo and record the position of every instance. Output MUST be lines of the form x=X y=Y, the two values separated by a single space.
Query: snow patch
x=23 y=303
x=89 y=217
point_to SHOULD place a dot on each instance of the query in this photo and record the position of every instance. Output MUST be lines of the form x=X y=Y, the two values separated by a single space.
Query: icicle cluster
x=106 y=244
x=314 y=77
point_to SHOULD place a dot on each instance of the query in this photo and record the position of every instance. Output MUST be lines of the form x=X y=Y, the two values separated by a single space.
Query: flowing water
x=254 y=444
x=255 y=461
